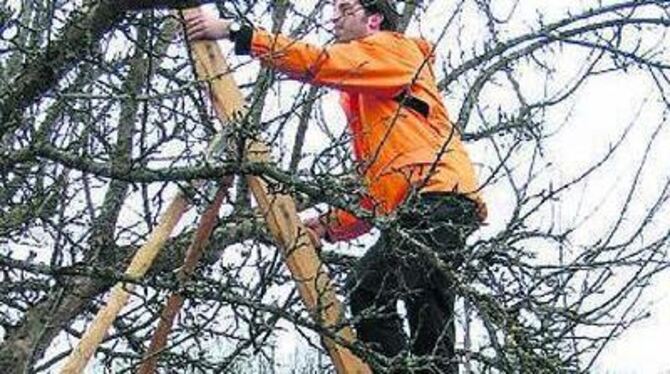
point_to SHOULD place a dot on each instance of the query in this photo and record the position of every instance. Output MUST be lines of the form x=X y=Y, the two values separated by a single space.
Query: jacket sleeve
x=367 y=65
x=342 y=225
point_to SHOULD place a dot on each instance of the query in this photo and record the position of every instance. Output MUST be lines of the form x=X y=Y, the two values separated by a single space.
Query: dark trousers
x=397 y=268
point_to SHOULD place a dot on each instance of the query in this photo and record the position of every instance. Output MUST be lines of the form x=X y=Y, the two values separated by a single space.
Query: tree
x=102 y=121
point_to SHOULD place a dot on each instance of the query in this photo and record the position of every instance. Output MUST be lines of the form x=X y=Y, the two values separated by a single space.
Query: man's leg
x=430 y=312
x=445 y=222
x=372 y=287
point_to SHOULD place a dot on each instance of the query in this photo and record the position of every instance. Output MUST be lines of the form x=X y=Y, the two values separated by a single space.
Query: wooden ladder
x=281 y=216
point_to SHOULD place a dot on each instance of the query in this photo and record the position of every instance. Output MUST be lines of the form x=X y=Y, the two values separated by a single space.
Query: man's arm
x=328 y=66
x=340 y=225
x=370 y=65
x=336 y=226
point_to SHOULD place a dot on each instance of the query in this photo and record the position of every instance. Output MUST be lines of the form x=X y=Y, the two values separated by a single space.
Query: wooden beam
x=281 y=216
x=176 y=300
x=81 y=354
x=280 y=213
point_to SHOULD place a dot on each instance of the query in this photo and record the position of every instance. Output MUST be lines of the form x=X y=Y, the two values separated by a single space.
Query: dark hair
x=386 y=9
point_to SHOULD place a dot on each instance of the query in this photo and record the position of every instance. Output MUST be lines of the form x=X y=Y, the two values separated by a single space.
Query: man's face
x=350 y=19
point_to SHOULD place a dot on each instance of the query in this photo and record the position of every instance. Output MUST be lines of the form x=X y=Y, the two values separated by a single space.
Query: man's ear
x=375 y=21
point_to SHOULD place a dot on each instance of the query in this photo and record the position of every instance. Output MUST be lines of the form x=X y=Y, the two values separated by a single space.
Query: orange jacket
x=395 y=147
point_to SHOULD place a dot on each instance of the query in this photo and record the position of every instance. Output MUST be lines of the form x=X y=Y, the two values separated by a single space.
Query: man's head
x=356 y=19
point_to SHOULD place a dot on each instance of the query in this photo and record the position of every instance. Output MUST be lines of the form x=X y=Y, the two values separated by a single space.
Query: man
x=411 y=161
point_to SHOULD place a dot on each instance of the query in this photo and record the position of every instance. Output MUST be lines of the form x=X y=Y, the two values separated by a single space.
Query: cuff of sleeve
x=342 y=225
x=337 y=234
x=242 y=40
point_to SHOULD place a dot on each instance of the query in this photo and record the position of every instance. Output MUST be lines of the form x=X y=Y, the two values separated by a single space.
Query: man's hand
x=201 y=26
x=316 y=230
